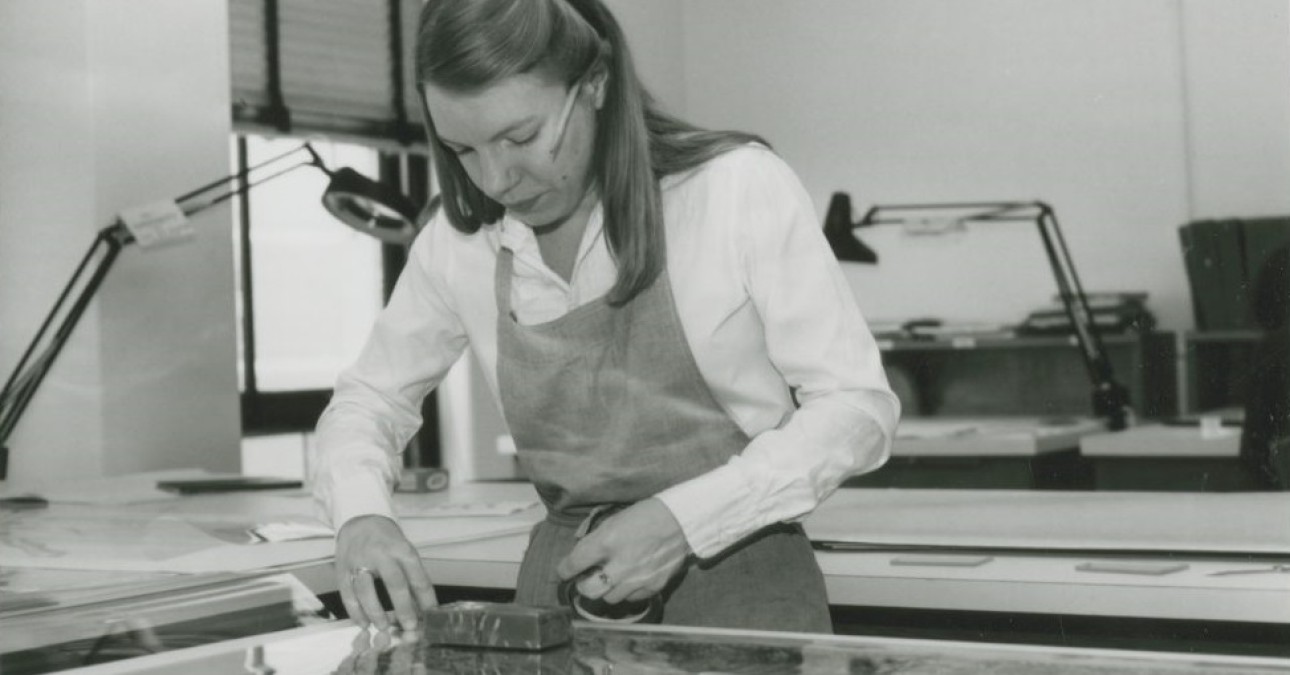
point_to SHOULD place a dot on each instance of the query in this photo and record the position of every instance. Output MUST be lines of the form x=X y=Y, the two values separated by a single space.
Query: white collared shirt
x=764 y=307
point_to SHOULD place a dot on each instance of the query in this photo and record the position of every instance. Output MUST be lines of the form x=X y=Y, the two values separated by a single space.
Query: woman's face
x=524 y=141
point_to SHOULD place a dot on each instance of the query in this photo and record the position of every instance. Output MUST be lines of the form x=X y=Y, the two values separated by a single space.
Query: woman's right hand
x=371 y=547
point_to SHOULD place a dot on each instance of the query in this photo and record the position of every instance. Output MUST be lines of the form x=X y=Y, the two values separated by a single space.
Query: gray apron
x=607 y=407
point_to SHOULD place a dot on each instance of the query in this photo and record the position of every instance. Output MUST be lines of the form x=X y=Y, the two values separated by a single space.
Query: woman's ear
x=597 y=84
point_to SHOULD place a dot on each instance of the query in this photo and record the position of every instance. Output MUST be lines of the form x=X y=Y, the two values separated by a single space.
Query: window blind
x=330 y=67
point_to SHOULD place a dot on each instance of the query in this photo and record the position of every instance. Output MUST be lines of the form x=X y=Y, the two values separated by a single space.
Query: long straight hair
x=467 y=45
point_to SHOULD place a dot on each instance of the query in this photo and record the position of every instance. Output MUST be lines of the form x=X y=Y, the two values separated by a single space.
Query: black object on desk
x=235 y=484
x=22 y=502
x=1194 y=420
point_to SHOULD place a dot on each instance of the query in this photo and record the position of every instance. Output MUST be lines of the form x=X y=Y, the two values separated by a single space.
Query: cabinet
x=1008 y=376
x=1216 y=369
x=1159 y=457
x=1027 y=375
x=1167 y=374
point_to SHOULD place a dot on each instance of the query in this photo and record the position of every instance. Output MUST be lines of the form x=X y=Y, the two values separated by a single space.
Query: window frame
x=297 y=411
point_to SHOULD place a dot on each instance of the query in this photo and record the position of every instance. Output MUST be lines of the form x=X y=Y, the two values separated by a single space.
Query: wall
x=1129 y=117
x=1238 y=106
x=105 y=105
x=655 y=35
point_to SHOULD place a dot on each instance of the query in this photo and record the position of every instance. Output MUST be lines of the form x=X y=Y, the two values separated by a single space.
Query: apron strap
x=502 y=280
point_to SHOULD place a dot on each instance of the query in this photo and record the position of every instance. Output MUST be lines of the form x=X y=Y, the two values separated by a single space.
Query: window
x=317 y=285
x=309 y=288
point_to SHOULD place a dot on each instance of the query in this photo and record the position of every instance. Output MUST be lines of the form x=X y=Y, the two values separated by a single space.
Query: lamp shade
x=838 y=231
x=370 y=207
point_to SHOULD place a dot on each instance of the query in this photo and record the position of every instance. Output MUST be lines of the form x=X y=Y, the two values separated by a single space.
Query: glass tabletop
x=596 y=649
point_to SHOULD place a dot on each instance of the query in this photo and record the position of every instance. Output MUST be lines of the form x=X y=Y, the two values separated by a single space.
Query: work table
x=1210 y=557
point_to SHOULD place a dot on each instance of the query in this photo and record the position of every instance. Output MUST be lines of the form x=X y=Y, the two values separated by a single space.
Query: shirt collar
x=519 y=238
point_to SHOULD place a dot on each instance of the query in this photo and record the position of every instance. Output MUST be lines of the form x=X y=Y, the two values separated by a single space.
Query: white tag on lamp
x=933 y=225
x=157 y=224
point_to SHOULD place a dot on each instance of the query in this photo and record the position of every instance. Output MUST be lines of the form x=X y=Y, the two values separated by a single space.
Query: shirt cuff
x=710 y=526
x=363 y=494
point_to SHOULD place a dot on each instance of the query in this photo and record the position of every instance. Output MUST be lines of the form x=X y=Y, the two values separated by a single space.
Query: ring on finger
x=603 y=577
x=353 y=574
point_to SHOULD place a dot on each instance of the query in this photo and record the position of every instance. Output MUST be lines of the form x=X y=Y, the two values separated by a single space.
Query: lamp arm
x=1110 y=398
x=36 y=361
x=198 y=200
x=30 y=372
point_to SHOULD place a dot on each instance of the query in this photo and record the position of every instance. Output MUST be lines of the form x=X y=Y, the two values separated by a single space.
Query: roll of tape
x=640 y=611
x=422 y=480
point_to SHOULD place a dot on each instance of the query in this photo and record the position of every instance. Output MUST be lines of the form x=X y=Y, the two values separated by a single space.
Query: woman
x=659 y=316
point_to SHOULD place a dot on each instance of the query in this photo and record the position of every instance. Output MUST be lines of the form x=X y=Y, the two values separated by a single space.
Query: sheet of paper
x=212 y=532
x=295 y=529
x=426 y=532
x=1211 y=522
x=291 y=531
x=128 y=489
x=921 y=428
x=97 y=540
x=39 y=587
x=174 y=546
x=463 y=509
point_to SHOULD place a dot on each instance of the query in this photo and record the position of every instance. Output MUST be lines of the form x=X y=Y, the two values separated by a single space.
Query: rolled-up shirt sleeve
x=376 y=407
x=818 y=340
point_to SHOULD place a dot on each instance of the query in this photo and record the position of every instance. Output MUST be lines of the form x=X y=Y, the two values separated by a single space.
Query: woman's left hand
x=638 y=550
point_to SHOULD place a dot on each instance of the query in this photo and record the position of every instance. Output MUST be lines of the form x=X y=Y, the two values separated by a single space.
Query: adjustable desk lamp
x=1110 y=398
x=352 y=198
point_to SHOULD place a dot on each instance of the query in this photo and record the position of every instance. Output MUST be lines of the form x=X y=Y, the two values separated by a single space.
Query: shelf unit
x=1003 y=375
x=1028 y=375
x=1215 y=367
